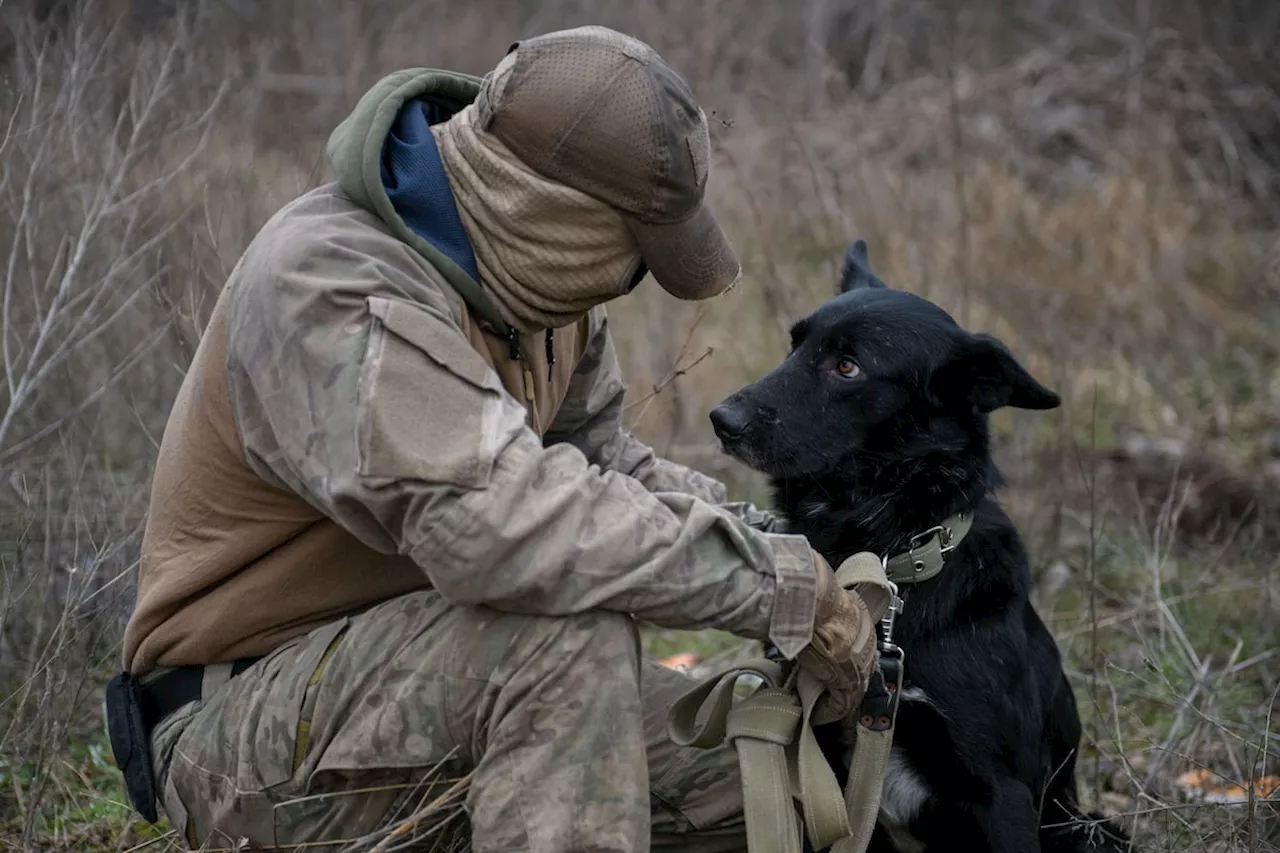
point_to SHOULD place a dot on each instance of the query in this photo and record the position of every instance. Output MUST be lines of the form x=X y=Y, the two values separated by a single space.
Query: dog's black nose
x=728 y=421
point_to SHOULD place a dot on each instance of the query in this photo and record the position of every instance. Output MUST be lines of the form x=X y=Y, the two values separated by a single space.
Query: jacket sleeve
x=754 y=517
x=590 y=418
x=378 y=412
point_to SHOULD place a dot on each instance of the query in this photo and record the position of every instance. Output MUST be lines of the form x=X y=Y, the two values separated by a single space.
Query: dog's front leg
x=1012 y=821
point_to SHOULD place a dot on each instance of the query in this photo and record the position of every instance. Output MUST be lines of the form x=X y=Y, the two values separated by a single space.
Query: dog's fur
x=987 y=732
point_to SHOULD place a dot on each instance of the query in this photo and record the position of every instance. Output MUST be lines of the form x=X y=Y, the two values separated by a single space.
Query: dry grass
x=1097 y=187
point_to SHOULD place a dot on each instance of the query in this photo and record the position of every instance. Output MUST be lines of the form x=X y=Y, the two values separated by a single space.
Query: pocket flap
x=427 y=332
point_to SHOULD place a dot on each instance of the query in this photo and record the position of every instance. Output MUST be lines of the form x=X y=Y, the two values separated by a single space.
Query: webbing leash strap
x=778 y=755
x=877 y=715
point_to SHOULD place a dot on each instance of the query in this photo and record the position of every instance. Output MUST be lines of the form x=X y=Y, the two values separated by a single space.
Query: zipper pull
x=532 y=398
x=513 y=343
x=528 y=384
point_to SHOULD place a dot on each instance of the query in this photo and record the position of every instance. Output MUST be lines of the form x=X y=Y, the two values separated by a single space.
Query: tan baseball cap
x=599 y=111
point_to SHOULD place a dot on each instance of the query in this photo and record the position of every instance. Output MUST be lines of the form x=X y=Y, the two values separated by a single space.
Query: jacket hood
x=355 y=152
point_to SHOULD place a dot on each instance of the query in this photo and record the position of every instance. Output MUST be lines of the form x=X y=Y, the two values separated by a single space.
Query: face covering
x=547 y=253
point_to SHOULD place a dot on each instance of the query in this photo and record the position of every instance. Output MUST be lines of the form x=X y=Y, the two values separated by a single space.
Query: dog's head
x=874 y=374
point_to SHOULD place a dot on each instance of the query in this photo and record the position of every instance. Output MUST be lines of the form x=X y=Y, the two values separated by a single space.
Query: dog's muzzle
x=729 y=422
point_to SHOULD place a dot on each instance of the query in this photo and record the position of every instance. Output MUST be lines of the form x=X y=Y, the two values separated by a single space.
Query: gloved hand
x=842 y=653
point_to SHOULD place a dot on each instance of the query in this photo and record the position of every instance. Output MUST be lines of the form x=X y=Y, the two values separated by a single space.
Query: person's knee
x=602 y=638
x=603 y=647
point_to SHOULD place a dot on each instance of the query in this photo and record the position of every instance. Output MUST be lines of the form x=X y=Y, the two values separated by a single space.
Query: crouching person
x=397 y=533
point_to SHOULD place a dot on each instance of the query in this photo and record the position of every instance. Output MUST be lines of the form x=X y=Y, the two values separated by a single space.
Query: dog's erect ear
x=857 y=272
x=985 y=375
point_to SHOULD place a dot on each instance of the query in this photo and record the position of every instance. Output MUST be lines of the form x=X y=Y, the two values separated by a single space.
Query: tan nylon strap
x=863 y=568
x=812 y=779
x=763 y=724
x=778 y=755
x=866 y=782
x=214 y=677
x=761 y=730
x=715 y=695
x=871 y=748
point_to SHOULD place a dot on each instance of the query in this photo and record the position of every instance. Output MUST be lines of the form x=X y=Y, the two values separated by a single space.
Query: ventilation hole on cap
x=619 y=149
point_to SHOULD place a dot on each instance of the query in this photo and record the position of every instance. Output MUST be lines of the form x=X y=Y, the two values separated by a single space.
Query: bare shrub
x=98 y=134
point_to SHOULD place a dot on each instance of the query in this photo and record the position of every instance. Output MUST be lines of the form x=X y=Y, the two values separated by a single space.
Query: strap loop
x=778 y=755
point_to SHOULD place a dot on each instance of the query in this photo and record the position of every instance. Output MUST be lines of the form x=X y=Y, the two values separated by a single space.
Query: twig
x=648 y=399
x=958 y=167
x=676 y=370
x=1259 y=765
x=1093 y=599
x=1165 y=807
x=171 y=834
x=411 y=824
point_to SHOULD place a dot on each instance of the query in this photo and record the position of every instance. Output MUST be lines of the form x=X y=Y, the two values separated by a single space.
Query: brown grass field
x=1097 y=184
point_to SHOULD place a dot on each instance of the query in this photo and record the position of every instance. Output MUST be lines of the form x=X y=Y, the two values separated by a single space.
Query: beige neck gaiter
x=547 y=253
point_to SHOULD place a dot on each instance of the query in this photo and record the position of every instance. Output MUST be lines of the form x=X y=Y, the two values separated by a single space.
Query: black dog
x=874 y=430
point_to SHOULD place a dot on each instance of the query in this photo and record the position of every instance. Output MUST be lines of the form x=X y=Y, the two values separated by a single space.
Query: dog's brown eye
x=848 y=368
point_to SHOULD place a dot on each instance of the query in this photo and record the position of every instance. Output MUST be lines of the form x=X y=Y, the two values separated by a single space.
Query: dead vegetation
x=1098 y=186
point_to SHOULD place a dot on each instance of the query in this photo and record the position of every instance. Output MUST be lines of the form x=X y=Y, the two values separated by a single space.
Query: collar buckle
x=946 y=543
x=925 y=553
x=946 y=538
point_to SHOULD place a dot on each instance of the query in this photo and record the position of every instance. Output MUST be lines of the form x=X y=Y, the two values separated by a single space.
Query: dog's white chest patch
x=903 y=795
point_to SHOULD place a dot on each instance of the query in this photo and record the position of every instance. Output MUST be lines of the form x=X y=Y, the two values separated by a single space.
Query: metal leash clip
x=879 y=707
x=896 y=607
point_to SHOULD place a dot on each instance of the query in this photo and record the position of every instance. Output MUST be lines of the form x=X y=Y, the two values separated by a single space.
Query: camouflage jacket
x=350 y=429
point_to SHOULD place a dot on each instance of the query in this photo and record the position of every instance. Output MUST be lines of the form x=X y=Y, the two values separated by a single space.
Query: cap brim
x=690 y=259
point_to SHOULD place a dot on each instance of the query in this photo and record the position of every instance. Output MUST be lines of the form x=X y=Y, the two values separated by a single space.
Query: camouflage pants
x=559 y=723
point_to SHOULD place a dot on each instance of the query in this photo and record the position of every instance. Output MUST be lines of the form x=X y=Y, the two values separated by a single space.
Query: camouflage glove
x=842 y=653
